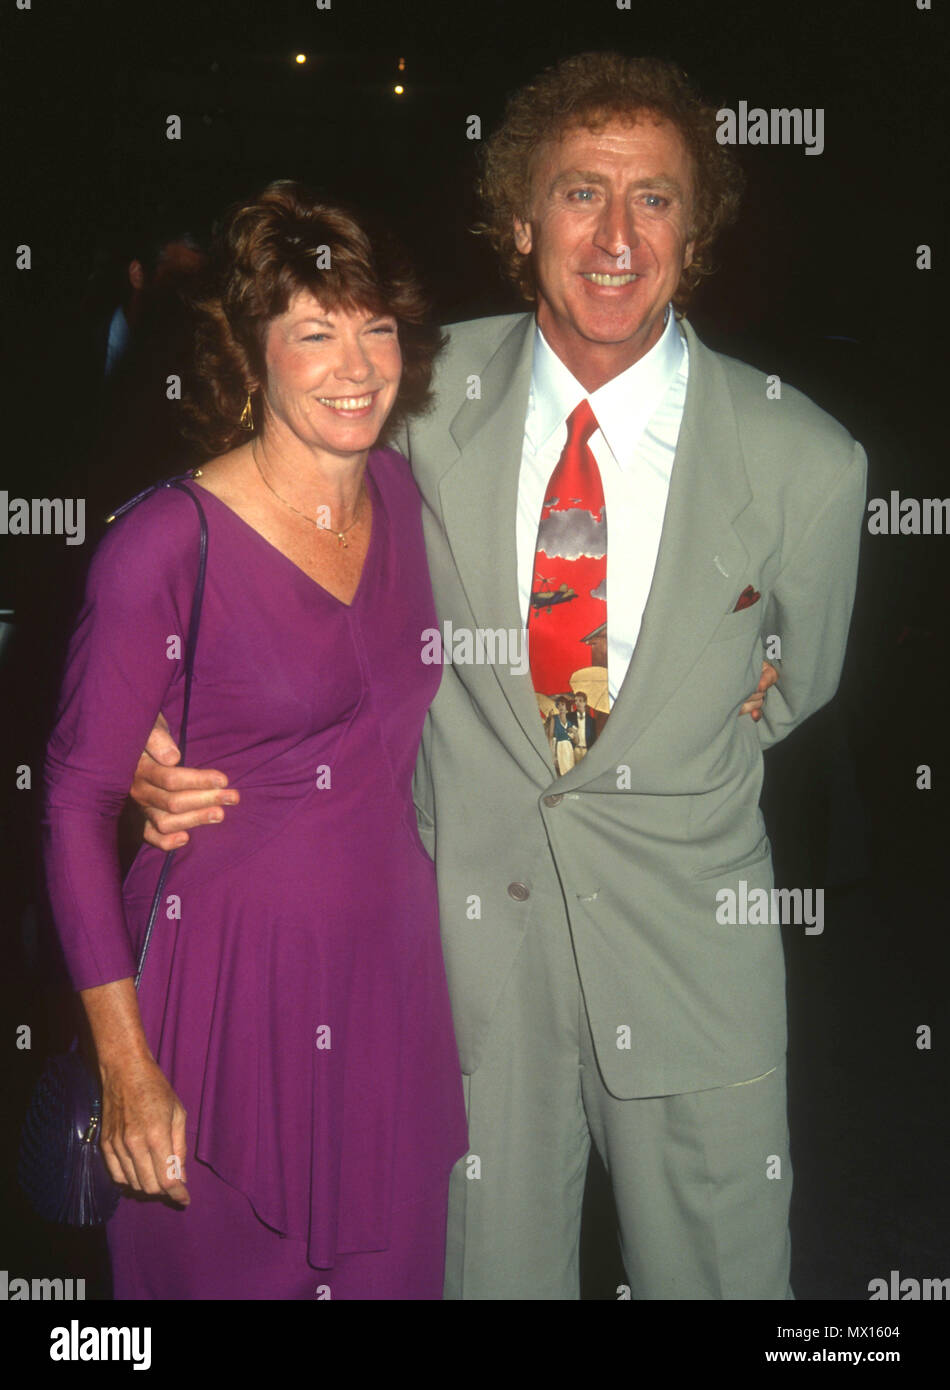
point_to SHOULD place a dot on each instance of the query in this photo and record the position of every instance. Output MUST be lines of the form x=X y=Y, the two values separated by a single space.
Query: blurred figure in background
x=139 y=355
x=159 y=264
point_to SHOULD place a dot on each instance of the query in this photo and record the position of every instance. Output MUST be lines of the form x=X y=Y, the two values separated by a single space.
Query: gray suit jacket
x=629 y=849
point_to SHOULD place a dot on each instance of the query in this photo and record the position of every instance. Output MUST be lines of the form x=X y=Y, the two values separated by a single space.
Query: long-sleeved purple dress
x=294 y=993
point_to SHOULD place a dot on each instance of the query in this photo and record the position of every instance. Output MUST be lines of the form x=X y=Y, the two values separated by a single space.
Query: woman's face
x=332 y=376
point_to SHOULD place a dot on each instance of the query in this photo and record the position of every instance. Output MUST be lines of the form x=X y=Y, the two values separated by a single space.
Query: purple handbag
x=61 y=1168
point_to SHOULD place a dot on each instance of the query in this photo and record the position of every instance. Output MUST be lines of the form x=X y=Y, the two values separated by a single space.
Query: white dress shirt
x=639 y=414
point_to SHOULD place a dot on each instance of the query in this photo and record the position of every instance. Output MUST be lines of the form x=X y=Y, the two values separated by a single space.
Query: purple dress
x=294 y=993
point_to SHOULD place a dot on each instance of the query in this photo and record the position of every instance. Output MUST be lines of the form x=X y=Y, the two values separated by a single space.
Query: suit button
x=554 y=799
x=519 y=892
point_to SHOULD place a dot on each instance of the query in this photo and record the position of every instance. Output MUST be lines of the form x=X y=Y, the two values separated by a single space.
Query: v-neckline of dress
x=370 y=549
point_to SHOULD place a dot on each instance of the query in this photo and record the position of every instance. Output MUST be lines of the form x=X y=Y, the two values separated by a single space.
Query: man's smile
x=610 y=281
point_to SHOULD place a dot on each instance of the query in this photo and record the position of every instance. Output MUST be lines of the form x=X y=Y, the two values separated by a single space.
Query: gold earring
x=247 y=415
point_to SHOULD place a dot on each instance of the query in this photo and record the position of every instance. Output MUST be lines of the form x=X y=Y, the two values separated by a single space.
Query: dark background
x=817 y=284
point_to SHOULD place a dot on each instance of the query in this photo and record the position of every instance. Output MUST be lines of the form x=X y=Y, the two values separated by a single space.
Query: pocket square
x=747 y=598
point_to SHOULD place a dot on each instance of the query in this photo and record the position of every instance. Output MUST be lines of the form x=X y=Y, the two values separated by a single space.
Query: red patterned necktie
x=567 y=617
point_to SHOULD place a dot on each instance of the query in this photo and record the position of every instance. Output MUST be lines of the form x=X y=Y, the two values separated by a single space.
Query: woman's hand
x=755 y=702
x=142 y=1137
x=143 y=1129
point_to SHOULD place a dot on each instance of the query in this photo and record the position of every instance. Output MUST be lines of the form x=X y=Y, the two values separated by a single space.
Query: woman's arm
x=124 y=663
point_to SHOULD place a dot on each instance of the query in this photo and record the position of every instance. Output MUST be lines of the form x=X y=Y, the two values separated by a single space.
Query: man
x=159 y=267
x=595 y=993
x=584 y=722
x=134 y=425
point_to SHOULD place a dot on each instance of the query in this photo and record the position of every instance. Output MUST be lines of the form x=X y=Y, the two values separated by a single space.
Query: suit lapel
x=700 y=564
x=479 y=499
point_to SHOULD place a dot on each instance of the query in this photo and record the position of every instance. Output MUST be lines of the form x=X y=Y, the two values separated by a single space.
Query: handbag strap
x=191 y=647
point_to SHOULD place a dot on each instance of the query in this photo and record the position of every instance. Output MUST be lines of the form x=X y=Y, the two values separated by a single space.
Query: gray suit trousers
x=701 y=1181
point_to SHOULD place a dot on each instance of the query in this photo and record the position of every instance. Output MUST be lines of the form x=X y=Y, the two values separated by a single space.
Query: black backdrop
x=818 y=283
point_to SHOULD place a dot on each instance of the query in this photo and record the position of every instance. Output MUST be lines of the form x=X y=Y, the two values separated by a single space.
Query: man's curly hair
x=285 y=240
x=587 y=92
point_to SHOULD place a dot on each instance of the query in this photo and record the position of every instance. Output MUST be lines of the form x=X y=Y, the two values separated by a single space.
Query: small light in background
x=399 y=89
x=300 y=58
x=401 y=65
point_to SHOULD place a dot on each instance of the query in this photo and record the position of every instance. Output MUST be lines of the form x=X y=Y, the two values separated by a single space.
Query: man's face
x=609 y=231
x=581 y=704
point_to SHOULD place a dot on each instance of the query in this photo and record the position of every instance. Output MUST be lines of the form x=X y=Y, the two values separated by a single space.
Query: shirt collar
x=623 y=406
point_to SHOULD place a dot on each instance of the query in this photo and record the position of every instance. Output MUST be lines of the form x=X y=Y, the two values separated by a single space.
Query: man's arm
x=176 y=799
x=810 y=606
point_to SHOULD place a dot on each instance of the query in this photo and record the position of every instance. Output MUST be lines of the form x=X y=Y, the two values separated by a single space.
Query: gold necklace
x=319 y=525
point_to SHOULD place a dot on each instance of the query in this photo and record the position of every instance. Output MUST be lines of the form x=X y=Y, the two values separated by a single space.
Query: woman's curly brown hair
x=587 y=91
x=265 y=252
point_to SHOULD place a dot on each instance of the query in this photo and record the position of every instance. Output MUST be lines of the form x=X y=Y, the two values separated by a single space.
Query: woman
x=292 y=1032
